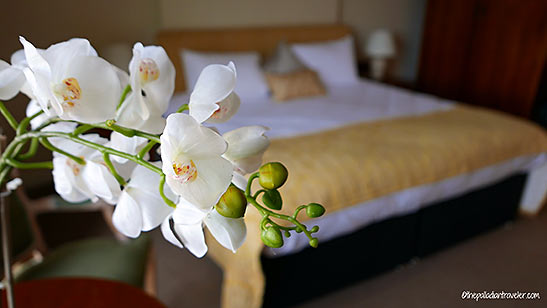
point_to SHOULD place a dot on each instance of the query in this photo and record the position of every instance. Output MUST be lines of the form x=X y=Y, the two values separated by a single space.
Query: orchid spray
x=200 y=180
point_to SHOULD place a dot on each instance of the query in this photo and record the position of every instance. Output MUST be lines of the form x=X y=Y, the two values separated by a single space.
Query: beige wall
x=238 y=13
x=403 y=17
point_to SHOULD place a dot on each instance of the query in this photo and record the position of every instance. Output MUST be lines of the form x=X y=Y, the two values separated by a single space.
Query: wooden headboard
x=263 y=40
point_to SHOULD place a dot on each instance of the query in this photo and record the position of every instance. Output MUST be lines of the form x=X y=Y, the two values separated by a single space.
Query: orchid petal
x=70 y=187
x=239 y=181
x=144 y=188
x=127 y=217
x=229 y=232
x=32 y=108
x=18 y=58
x=168 y=233
x=135 y=114
x=100 y=90
x=192 y=238
x=101 y=182
x=35 y=61
x=158 y=92
x=37 y=85
x=130 y=145
x=60 y=55
x=187 y=135
x=214 y=84
x=11 y=80
x=246 y=145
x=187 y=214
x=213 y=178
x=228 y=107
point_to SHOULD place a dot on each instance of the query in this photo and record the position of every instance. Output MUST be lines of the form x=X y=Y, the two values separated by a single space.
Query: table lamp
x=380 y=47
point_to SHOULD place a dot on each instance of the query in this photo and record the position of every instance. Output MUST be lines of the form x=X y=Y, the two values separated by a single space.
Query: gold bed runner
x=353 y=164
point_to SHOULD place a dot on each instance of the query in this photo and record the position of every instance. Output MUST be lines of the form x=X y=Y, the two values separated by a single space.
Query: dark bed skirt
x=381 y=246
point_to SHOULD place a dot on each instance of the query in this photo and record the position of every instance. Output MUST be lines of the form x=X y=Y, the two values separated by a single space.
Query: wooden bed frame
x=263 y=40
x=396 y=240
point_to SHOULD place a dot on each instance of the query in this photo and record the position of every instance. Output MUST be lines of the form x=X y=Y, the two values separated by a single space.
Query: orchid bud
x=272 y=199
x=272 y=175
x=233 y=203
x=314 y=210
x=272 y=237
x=314 y=242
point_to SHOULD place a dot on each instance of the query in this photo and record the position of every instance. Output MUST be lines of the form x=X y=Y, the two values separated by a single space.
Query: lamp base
x=378 y=68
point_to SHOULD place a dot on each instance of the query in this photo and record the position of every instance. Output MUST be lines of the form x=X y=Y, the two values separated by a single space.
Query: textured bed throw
x=350 y=165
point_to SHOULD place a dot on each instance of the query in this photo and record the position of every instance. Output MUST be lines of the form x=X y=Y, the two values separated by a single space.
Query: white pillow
x=250 y=80
x=333 y=60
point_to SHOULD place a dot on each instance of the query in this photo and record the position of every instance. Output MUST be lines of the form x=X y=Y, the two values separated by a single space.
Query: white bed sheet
x=367 y=101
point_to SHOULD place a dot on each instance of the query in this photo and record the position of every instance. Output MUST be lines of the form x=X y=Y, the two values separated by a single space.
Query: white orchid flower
x=12 y=78
x=213 y=99
x=192 y=162
x=141 y=208
x=129 y=145
x=188 y=225
x=152 y=80
x=70 y=81
x=246 y=146
x=77 y=183
x=32 y=108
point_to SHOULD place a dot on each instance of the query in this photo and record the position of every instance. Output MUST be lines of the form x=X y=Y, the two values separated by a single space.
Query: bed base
x=383 y=245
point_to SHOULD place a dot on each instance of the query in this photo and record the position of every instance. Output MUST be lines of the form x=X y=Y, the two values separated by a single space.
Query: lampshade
x=380 y=44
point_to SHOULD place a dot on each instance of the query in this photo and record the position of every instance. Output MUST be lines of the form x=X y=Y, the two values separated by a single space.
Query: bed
x=409 y=173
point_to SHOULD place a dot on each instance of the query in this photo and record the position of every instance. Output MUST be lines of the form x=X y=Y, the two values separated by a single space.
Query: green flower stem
x=110 y=165
x=82 y=129
x=183 y=108
x=146 y=149
x=267 y=213
x=35 y=165
x=53 y=148
x=258 y=193
x=31 y=150
x=250 y=183
x=9 y=117
x=124 y=94
x=49 y=122
x=267 y=220
x=298 y=209
x=162 y=193
x=4 y=171
x=22 y=128
x=101 y=148
x=128 y=132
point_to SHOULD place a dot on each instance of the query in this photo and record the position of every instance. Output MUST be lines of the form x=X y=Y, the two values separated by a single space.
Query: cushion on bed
x=250 y=80
x=333 y=60
x=301 y=83
x=283 y=60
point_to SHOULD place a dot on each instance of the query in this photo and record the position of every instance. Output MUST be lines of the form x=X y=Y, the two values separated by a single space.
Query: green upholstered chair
x=128 y=261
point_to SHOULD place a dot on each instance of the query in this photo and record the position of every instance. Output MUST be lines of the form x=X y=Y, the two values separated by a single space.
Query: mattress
x=363 y=102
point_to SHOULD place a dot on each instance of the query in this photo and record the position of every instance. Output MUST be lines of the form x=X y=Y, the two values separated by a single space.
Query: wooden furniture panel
x=485 y=52
x=264 y=40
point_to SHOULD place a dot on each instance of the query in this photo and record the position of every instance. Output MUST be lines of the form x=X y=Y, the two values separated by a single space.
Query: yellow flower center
x=70 y=92
x=76 y=168
x=148 y=70
x=185 y=172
